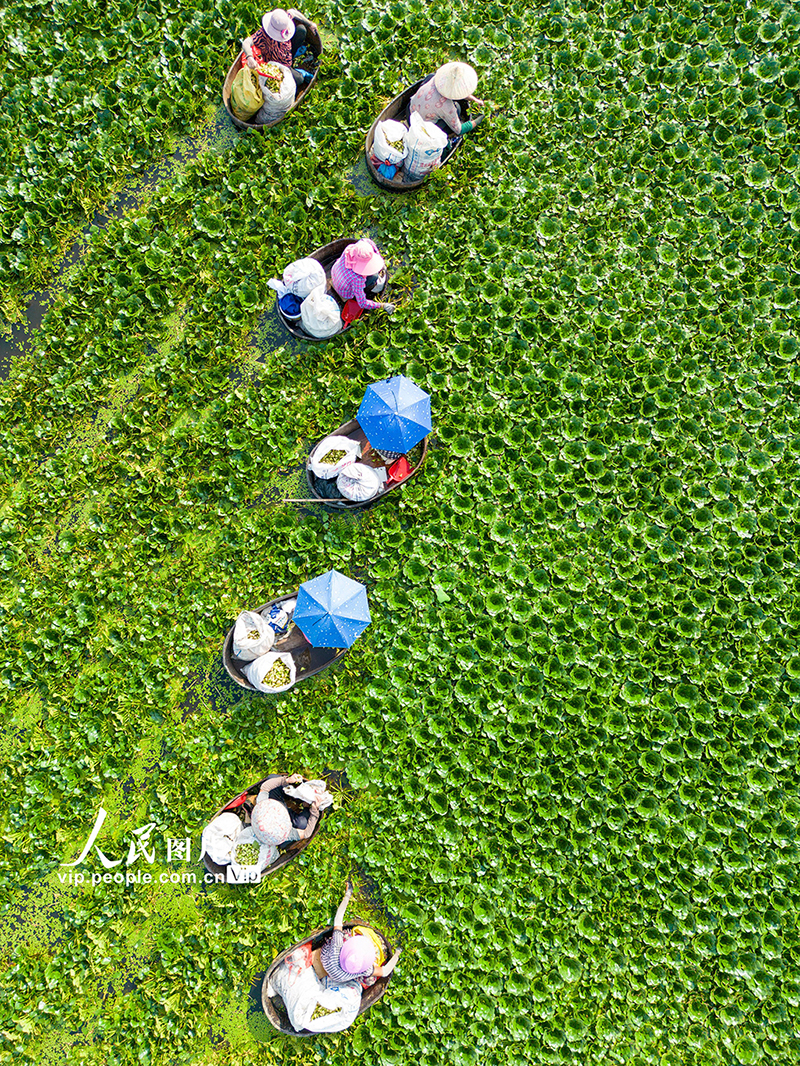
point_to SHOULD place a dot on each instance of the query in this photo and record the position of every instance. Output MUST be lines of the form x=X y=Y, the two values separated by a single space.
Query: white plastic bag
x=425 y=143
x=387 y=131
x=277 y=103
x=256 y=670
x=300 y=278
x=309 y=792
x=296 y=982
x=220 y=836
x=278 y=616
x=240 y=873
x=327 y=471
x=359 y=482
x=252 y=636
x=319 y=314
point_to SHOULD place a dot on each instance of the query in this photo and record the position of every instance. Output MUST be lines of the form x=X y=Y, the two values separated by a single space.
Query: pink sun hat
x=364 y=258
x=277 y=25
x=357 y=955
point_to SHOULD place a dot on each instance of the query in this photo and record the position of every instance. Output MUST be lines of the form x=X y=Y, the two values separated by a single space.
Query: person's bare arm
x=312 y=822
x=386 y=969
x=339 y=918
x=279 y=780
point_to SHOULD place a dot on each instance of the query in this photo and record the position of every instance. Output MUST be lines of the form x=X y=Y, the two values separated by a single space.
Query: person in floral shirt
x=437 y=99
x=271 y=820
x=277 y=41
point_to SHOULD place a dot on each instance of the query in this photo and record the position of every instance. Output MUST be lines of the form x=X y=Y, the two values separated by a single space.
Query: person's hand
x=251 y=63
x=295 y=779
x=475 y=100
x=348 y=892
x=397 y=955
x=315 y=809
x=476 y=121
x=389 y=308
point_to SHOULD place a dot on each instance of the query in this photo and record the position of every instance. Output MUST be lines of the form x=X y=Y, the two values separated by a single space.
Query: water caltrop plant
x=565 y=751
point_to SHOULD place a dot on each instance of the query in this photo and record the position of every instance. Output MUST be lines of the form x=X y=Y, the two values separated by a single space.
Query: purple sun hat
x=357 y=955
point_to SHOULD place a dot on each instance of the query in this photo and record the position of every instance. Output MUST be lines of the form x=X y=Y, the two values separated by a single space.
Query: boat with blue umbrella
x=314 y=627
x=375 y=453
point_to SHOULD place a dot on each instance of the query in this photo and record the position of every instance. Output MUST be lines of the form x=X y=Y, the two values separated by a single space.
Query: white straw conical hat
x=456 y=80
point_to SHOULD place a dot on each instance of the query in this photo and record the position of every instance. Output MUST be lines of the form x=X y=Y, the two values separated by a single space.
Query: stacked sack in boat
x=416 y=148
x=424 y=143
x=337 y=458
x=253 y=637
x=246 y=95
x=278 y=90
x=302 y=298
x=389 y=147
x=227 y=842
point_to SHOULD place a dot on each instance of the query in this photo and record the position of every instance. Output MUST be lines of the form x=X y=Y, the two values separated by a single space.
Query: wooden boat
x=317 y=486
x=326 y=257
x=242 y=804
x=397 y=109
x=314 y=44
x=307 y=660
x=273 y=1006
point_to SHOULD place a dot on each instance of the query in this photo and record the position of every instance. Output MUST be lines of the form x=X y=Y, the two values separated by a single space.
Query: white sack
x=301 y=990
x=390 y=130
x=359 y=482
x=255 y=671
x=251 y=874
x=319 y=314
x=300 y=278
x=425 y=143
x=327 y=471
x=219 y=837
x=252 y=636
x=278 y=616
x=276 y=104
x=309 y=791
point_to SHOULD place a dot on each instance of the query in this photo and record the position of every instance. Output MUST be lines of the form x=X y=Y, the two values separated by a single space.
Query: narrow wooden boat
x=273 y=1006
x=319 y=487
x=326 y=257
x=308 y=660
x=242 y=804
x=314 y=44
x=397 y=109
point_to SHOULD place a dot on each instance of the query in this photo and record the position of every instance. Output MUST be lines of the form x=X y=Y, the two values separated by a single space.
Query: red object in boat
x=351 y=311
x=400 y=471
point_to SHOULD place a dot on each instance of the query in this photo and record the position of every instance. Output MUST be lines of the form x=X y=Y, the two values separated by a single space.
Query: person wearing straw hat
x=360 y=270
x=277 y=41
x=439 y=97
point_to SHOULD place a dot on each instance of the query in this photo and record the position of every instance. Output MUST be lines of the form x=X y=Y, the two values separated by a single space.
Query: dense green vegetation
x=572 y=728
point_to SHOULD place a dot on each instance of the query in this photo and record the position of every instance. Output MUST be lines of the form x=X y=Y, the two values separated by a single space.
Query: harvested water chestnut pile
x=571 y=731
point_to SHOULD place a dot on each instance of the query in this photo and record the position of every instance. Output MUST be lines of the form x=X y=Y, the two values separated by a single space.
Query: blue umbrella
x=331 y=610
x=395 y=414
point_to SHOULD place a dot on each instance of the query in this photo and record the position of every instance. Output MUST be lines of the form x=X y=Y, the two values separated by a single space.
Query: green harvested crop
x=321 y=1012
x=277 y=676
x=333 y=456
x=247 y=854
